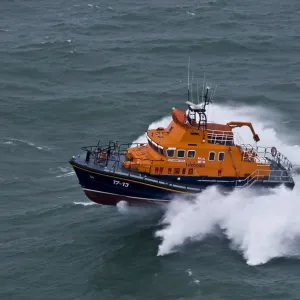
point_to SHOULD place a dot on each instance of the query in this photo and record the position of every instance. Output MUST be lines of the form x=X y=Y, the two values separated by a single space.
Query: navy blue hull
x=109 y=188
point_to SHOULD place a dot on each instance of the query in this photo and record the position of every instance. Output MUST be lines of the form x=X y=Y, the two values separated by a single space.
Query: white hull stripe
x=147 y=199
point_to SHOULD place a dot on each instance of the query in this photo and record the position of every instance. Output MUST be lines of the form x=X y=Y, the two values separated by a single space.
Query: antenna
x=189 y=79
x=206 y=99
x=203 y=87
x=213 y=93
x=192 y=87
x=198 y=91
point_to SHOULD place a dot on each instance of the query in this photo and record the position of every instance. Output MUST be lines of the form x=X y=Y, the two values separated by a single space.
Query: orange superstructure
x=191 y=146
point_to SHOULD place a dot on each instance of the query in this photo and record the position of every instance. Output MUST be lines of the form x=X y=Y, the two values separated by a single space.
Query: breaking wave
x=261 y=227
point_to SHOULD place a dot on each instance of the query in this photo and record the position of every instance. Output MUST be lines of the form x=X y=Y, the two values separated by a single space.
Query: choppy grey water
x=76 y=71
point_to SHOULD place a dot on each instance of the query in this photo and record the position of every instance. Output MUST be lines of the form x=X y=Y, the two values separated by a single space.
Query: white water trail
x=261 y=227
x=85 y=203
x=140 y=212
x=122 y=207
x=66 y=174
x=14 y=142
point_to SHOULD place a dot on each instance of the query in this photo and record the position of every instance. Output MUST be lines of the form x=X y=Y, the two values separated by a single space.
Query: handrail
x=281 y=176
x=265 y=156
x=218 y=130
x=104 y=154
x=228 y=137
x=117 y=150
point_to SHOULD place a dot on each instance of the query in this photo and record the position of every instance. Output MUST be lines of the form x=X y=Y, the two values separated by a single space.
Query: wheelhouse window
x=170 y=152
x=161 y=150
x=211 y=156
x=180 y=153
x=221 y=156
x=191 y=153
x=157 y=148
x=153 y=146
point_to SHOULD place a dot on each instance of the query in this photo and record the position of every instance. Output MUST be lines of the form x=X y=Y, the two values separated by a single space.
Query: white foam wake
x=261 y=227
x=14 y=142
x=66 y=174
x=85 y=203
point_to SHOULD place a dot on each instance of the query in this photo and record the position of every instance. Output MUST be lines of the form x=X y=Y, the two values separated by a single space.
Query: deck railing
x=276 y=176
x=115 y=151
x=110 y=155
x=221 y=137
x=264 y=155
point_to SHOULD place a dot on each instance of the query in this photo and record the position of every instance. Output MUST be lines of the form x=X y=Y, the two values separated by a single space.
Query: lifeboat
x=183 y=159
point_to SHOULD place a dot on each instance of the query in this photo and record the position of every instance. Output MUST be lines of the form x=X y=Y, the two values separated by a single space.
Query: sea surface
x=74 y=72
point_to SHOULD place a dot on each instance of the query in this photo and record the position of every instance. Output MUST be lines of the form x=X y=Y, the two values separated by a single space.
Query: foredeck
x=113 y=165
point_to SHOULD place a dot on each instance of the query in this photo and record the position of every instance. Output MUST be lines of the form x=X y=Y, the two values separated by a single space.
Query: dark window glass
x=151 y=145
x=180 y=153
x=221 y=156
x=170 y=153
x=212 y=156
x=191 y=153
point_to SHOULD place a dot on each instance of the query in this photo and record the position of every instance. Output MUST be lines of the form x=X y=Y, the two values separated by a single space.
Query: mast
x=199 y=108
x=192 y=87
x=203 y=86
x=189 y=79
x=198 y=91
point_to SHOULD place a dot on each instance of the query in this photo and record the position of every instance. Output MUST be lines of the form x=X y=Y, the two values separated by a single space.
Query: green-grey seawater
x=73 y=72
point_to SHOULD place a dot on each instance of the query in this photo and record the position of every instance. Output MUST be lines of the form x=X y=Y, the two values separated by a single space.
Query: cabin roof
x=219 y=127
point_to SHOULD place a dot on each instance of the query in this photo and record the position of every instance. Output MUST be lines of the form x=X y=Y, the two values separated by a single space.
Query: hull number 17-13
x=122 y=183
